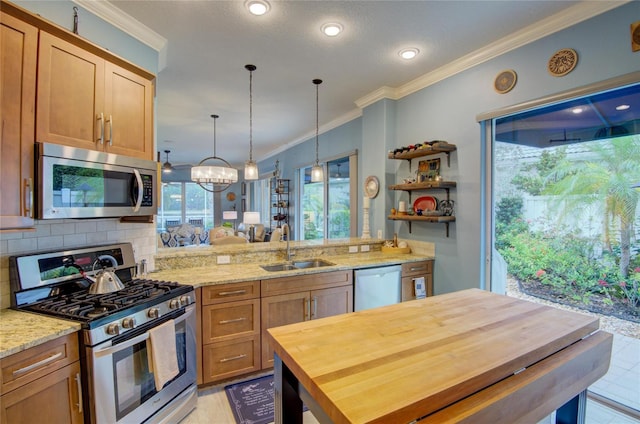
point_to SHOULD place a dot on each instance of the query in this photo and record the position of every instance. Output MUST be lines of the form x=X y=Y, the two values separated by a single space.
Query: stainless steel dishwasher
x=375 y=287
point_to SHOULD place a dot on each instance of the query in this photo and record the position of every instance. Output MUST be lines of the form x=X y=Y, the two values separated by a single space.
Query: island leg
x=287 y=402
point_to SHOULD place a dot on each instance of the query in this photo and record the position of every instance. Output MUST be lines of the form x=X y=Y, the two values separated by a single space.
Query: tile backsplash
x=71 y=233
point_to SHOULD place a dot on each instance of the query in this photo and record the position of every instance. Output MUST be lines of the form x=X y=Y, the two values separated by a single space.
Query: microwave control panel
x=147 y=190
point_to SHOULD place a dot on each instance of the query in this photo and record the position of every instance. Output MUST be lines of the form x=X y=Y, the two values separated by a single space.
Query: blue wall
x=447 y=110
x=95 y=30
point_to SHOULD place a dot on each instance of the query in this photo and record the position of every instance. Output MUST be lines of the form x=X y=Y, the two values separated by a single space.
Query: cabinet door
x=281 y=310
x=18 y=54
x=70 y=94
x=54 y=398
x=128 y=113
x=408 y=288
x=329 y=302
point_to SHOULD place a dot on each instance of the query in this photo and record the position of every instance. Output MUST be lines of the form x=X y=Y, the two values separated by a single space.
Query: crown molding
x=124 y=22
x=561 y=20
x=341 y=120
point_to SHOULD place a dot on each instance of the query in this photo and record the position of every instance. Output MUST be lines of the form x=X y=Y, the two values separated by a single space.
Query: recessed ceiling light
x=331 y=29
x=622 y=107
x=258 y=7
x=408 y=54
x=576 y=110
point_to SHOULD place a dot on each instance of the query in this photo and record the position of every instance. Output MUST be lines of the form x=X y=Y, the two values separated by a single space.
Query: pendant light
x=317 y=171
x=167 y=167
x=220 y=176
x=250 y=167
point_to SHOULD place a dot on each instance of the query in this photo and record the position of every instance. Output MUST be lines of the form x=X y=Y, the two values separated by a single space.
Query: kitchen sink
x=310 y=263
x=278 y=267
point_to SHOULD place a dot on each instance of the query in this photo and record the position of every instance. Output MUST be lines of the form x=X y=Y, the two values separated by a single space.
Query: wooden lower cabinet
x=42 y=384
x=295 y=299
x=413 y=270
x=230 y=325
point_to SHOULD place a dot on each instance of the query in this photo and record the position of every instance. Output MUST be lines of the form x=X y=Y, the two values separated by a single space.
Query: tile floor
x=621 y=383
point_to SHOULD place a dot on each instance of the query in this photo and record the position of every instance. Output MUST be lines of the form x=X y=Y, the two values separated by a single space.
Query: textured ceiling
x=209 y=42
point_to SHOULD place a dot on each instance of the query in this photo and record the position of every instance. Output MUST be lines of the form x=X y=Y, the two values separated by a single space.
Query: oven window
x=75 y=186
x=134 y=384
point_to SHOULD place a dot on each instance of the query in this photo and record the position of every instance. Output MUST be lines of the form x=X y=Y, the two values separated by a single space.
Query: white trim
x=564 y=19
x=126 y=23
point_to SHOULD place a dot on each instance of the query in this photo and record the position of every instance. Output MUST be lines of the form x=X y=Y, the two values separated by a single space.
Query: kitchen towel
x=161 y=351
x=419 y=287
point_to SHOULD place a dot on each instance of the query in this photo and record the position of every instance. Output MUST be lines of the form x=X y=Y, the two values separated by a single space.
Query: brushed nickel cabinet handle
x=101 y=119
x=232 y=293
x=79 y=386
x=234 y=358
x=315 y=307
x=110 y=121
x=28 y=198
x=230 y=321
x=38 y=364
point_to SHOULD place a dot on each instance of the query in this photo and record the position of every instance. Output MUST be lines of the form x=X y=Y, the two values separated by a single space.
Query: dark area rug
x=252 y=401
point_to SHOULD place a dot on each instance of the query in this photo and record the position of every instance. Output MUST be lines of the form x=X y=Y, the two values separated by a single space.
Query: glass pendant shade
x=317 y=173
x=250 y=170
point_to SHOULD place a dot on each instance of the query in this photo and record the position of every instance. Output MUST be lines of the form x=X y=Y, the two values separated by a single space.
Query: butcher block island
x=469 y=356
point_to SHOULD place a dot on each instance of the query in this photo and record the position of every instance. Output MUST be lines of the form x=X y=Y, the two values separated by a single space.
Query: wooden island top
x=470 y=355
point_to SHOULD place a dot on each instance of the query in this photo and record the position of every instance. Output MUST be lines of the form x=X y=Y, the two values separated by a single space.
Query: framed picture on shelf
x=428 y=169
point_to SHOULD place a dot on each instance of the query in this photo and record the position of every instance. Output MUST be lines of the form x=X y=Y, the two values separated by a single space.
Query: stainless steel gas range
x=119 y=384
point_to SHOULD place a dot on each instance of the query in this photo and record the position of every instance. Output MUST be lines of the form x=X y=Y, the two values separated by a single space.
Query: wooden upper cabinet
x=89 y=102
x=18 y=57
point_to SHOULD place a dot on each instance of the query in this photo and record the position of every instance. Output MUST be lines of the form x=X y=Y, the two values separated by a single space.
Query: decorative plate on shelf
x=562 y=62
x=371 y=186
x=426 y=203
x=505 y=81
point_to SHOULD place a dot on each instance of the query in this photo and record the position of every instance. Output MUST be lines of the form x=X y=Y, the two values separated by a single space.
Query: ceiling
x=205 y=45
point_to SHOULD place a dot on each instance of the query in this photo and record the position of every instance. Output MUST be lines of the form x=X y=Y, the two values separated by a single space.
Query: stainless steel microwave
x=79 y=183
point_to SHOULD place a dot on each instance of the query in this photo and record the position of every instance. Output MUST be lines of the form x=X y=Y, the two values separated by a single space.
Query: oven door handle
x=109 y=350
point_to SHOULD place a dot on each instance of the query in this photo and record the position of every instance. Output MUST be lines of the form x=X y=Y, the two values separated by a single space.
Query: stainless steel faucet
x=285 y=230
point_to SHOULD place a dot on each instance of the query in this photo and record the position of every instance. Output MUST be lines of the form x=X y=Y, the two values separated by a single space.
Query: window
x=325 y=207
x=563 y=210
x=185 y=202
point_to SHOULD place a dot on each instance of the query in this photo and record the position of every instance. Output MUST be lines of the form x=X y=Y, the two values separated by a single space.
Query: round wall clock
x=562 y=62
x=505 y=81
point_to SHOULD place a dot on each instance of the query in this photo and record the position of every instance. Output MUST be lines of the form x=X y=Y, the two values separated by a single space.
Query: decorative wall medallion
x=505 y=81
x=562 y=62
x=635 y=36
x=231 y=196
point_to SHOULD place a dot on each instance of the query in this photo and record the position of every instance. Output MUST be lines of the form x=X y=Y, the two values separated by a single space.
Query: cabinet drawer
x=417 y=268
x=230 y=320
x=230 y=292
x=31 y=364
x=306 y=282
x=229 y=358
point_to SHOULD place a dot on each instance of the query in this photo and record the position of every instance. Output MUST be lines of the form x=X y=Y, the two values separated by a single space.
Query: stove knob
x=113 y=329
x=153 y=313
x=129 y=322
x=185 y=300
x=174 y=304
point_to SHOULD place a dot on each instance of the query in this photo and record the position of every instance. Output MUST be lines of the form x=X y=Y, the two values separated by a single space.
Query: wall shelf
x=422 y=218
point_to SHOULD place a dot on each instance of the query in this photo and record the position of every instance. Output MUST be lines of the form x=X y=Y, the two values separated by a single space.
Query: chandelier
x=220 y=175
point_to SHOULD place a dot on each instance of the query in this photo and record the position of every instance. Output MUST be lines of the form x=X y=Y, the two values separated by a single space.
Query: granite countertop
x=233 y=273
x=22 y=330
